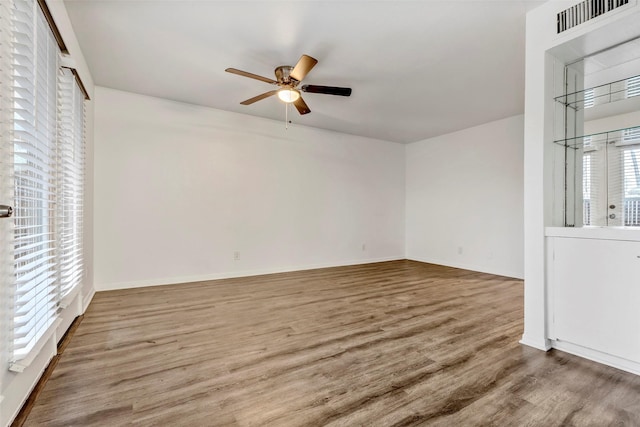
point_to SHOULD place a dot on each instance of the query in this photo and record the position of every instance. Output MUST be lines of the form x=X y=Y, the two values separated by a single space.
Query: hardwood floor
x=388 y=344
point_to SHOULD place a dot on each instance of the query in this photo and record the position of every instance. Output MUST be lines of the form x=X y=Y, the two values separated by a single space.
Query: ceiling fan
x=288 y=78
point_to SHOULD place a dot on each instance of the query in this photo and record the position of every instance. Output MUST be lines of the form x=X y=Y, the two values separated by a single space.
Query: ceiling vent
x=585 y=11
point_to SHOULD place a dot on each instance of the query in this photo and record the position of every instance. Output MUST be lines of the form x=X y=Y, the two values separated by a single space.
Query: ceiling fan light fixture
x=288 y=95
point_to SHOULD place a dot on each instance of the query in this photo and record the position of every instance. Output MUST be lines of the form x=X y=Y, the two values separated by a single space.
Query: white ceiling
x=417 y=68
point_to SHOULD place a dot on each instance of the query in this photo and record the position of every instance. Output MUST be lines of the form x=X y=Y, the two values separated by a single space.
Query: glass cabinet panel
x=596 y=149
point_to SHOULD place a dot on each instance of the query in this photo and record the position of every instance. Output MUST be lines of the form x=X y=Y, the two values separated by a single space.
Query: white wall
x=179 y=188
x=465 y=198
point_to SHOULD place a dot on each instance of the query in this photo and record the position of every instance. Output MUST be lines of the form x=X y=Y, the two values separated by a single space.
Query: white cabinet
x=594 y=294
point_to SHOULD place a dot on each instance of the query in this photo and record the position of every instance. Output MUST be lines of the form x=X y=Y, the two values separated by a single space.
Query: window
x=586 y=189
x=631 y=176
x=70 y=183
x=48 y=175
x=589 y=98
x=611 y=179
x=6 y=168
x=35 y=64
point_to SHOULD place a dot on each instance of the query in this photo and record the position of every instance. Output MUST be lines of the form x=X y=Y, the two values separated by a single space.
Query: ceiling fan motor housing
x=283 y=75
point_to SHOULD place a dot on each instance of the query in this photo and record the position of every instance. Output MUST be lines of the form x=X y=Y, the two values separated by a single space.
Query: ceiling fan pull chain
x=286 y=116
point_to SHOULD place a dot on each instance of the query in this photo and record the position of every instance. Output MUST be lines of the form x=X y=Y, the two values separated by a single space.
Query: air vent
x=585 y=11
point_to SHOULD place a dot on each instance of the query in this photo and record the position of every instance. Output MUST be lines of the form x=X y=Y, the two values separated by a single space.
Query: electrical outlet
x=364 y=247
x=459 y=250
x=236 y=256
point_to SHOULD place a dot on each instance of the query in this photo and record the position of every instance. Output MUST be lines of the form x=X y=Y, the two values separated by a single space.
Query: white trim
x=544 y=345
x=597 y=356
x=21 y=364
x=86 y=300
x=234 y=274
x=472 y=267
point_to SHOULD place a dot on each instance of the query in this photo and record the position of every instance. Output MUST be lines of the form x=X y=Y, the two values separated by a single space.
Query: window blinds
x=6 y=168
x=35 y=64
x=586 y=188
x=633 y=86
x=71 y=161
x=47 y=128
x=630 y=165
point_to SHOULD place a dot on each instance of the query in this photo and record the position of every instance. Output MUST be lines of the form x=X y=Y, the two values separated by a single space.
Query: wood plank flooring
x=389 y=344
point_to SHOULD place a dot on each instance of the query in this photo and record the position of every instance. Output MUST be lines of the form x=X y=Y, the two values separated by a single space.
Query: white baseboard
x=540 y=344
x=234 y=274
x=472 y=267
x=598 y=356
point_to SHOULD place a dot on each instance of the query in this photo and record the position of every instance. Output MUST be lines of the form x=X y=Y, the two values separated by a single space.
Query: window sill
x=21 y=364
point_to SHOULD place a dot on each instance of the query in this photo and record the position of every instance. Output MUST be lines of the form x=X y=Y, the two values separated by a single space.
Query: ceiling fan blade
x=301 y=106
x=330 y=90
x=304 y=65
x=259 y=97
x=250 y=75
